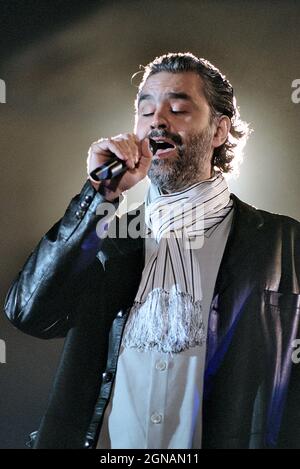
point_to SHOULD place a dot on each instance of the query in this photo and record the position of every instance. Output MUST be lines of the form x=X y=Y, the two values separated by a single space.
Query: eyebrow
x=171 y=95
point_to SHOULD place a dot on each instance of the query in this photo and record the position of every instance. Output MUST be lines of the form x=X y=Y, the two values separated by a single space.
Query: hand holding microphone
x=118 y=163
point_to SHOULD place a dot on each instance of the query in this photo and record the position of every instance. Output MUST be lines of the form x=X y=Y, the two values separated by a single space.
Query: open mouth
x=160 y=145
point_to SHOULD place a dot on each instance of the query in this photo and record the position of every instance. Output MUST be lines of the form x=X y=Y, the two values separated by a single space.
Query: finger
x=134 y=147
x=130 y=140
x=146 y=155
x=126 y=138
x=123 y=151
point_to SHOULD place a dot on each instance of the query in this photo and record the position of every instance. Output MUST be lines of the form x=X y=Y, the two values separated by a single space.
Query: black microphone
x=109 y=170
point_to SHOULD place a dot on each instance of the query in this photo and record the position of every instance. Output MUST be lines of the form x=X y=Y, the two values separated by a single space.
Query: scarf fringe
x=167 y=321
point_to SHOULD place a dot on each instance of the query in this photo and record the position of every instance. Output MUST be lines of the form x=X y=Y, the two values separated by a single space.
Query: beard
x=190 y=165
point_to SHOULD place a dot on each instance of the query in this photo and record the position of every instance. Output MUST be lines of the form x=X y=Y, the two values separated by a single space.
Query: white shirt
x=156 y=400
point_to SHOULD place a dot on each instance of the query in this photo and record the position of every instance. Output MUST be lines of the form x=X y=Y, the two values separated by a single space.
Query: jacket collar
x=246 y=222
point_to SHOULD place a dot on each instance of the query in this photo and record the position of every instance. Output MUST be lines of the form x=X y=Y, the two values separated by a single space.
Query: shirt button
x=161 y=365
x=84 y=205
x=107 y=377
x=79 y=214
x=156 y=417
x=88 y=198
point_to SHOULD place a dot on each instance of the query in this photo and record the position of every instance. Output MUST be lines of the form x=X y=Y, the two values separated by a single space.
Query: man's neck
x=189 y=184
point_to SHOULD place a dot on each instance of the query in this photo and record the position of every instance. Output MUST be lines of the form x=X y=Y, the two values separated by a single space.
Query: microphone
x=109 y=170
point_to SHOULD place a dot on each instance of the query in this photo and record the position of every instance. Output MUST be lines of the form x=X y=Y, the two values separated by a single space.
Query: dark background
x=67 y=67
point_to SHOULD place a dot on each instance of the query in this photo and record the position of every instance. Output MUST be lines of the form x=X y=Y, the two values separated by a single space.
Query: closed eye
x=173 y=112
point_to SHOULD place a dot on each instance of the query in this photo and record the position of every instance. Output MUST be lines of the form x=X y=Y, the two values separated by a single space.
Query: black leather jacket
x=78 y=286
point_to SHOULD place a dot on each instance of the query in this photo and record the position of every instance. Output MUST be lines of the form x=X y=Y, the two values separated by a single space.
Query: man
x=169 y=344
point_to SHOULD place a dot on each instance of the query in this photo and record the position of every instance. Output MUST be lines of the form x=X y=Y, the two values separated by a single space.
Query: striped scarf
x=167 y=311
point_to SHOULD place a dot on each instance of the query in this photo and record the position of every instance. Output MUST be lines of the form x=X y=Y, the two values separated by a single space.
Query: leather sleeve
x=61 y=272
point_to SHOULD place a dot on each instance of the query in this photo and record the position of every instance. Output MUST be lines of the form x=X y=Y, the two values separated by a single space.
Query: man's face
x=174 y=114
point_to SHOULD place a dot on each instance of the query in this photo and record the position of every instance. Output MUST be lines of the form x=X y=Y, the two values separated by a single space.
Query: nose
x=159 y=121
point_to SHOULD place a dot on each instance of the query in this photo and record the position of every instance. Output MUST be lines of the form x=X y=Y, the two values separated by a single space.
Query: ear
x=222 y=131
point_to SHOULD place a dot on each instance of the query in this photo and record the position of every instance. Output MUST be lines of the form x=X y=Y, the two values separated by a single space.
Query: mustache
x=164 y=134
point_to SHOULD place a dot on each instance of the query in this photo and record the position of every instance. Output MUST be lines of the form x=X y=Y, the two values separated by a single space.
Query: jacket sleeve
x=61 y=271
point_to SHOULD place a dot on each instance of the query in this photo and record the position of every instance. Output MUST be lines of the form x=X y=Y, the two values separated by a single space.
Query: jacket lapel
x=233 y=274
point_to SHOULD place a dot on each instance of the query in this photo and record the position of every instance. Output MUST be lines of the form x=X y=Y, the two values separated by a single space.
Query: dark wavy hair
x=219 y=95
